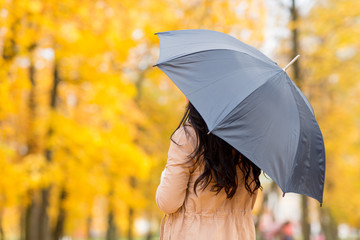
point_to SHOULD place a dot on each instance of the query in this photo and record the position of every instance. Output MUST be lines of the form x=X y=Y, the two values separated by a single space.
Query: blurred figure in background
x=286 y=231
x=267 y=225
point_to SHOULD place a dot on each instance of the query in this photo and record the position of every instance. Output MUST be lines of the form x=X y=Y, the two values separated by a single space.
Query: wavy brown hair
x=220 y=159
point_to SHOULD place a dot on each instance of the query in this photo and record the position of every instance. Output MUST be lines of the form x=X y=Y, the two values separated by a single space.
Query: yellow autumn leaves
x=85 y=120
x=85 y=117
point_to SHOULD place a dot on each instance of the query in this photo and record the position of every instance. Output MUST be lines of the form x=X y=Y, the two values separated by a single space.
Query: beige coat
x=206 y=216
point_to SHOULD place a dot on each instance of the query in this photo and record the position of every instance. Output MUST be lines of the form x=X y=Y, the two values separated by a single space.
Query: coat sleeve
x=171 y=192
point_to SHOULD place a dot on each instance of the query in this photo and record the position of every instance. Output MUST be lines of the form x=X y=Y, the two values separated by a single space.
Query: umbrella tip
x=208 y=132
x=292 y=61
x=283 y=194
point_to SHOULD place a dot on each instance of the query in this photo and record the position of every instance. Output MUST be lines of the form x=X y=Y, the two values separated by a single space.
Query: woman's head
x=219 y=159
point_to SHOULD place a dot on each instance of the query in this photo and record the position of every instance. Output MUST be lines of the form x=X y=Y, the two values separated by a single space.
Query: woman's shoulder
x=185 y=132
x=185 y=136
x=184 y=142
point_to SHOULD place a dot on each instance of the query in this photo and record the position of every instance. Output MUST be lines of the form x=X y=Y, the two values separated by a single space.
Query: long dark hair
x=220 y=159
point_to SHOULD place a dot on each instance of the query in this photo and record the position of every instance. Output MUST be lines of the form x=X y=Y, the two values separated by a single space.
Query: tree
x=330 y=64
x=82 y=112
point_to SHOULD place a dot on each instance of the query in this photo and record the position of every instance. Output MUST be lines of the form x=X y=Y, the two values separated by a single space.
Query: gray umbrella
x=250 y=102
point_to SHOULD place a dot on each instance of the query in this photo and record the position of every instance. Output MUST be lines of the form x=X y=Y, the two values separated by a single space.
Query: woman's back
x=206 y=214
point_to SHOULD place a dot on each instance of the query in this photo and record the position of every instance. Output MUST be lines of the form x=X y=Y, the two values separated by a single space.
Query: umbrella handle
x=292 y=61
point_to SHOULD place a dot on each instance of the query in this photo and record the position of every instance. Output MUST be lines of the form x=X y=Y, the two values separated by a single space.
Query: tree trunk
x=131 y=224
x=44 y=228
x=305 y=224
x=295 y=44
x=59 y=227
x=88 y=227
x=328 y=224
x=44 y=231
x=32 y=217
x=28 y=214
x=32 y=210
x=2 y=235
x=31 y=139
x=111 y=231
x=131 y=211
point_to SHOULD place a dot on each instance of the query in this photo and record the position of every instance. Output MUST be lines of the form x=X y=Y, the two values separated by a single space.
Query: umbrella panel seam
x=253 y=92
x=206 y=50
x=297 y=150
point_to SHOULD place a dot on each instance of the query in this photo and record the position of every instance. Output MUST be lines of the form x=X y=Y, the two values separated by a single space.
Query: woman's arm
x=171 y=192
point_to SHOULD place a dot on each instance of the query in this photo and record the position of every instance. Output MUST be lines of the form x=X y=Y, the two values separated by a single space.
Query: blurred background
x=85 y=119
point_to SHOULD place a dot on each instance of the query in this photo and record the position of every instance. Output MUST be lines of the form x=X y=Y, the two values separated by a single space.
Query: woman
x=208 y=188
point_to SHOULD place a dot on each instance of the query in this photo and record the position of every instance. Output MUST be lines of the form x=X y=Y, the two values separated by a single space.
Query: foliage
x=331 y=61
x=82 y=112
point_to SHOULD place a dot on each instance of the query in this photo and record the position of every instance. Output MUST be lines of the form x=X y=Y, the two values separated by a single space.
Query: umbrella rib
x=206 y=50
x=241 y=102
x=299 y=138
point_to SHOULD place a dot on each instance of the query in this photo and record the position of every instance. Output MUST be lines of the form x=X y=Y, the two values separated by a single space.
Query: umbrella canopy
x=247 y=100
